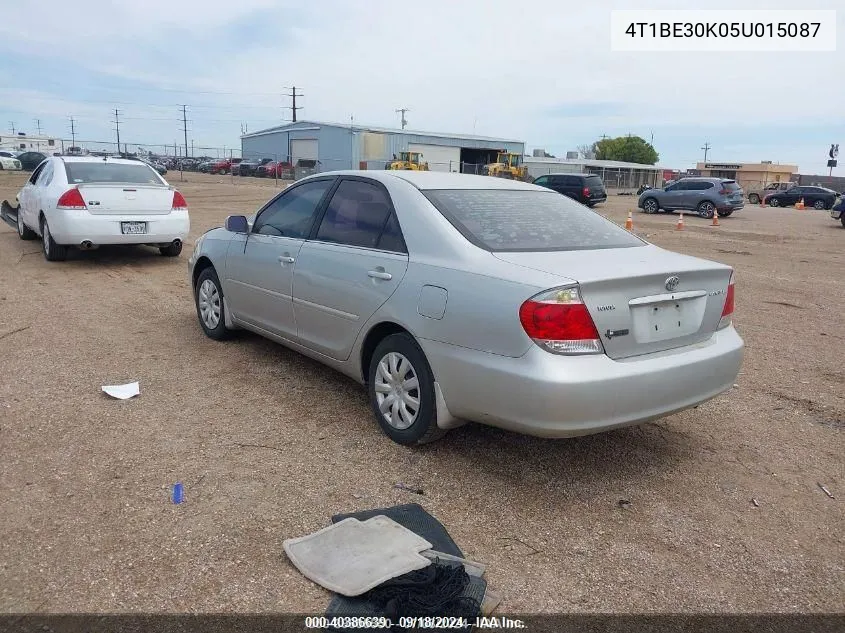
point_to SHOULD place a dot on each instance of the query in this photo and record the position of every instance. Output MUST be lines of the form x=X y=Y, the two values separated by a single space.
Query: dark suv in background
x=585 y=188
x=704 y=196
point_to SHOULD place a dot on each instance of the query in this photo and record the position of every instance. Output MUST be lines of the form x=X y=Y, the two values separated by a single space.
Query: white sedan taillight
x=71 y=200
x=179 y=203
x=728 y=310
x=559 y=322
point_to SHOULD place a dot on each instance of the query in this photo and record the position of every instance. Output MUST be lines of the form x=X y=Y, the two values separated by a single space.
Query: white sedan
x=8 y=162
x=87 y=202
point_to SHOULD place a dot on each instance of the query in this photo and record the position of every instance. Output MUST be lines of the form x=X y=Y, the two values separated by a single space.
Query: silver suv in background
x=704 y=196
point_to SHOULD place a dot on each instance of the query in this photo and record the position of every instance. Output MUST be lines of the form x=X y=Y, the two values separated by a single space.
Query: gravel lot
x=270 y=444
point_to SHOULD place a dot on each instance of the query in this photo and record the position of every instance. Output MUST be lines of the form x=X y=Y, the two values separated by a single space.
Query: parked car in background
x=8 y=153
x=816 y=197
x=224 y=165
x=756 y=195
x=837 y=212
x=276 y=169
x=8 y=162
x=383 y=275
x=31 y=160
x=251 y=166
x=86 y=202
x=205 y=166
x=585 y=188
x=704 y=196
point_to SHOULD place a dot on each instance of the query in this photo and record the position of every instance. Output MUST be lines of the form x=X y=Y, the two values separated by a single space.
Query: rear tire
x=171 y=250
x=400 y=381
x=819 y=205
x=52 y=252
x=209 y=301
x=773 y=202
x=842 y=219
x=650 y=205
x=706 y=209
x=724 y=214
x=754 y=198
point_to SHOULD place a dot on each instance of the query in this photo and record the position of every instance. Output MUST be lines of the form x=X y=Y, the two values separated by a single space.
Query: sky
x=539 y=71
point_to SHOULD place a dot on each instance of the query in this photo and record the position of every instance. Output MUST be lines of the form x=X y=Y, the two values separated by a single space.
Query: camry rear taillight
x=558 y=321
x=179 y=203
x=71 y=200
x=728 y=309
x=586 y=192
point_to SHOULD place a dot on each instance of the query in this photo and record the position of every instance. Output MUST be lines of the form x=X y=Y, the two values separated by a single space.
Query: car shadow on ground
x=127 y=254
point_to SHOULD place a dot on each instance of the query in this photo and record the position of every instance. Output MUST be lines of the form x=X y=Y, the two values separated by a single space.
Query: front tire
x=24 y=232
x=706 y=209
x=401 y=388
x=819 y=205
x=52 y=252
x=208 y=297
x=650 y=205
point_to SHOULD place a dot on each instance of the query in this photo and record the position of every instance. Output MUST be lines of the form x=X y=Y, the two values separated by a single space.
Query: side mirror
x=237 y=224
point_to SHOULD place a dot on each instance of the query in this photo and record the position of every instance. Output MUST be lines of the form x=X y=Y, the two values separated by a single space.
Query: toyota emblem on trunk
x=672 y=283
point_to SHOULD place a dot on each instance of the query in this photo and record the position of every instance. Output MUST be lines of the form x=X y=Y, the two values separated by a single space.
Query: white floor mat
x=352 y=556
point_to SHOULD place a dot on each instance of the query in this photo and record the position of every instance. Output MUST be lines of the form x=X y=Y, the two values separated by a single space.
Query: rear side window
x=507 y=220
x=593 y=182
x=730 y=185
x=356 y=215
x=701 y=185
x=105 y=172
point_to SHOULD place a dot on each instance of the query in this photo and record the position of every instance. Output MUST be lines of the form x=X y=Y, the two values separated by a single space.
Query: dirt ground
x=725 y=507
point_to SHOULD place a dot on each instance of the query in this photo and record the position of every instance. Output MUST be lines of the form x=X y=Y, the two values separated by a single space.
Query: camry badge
x=672 y=282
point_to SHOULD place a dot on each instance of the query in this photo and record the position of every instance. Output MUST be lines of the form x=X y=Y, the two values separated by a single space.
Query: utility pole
x=38 y=126
x=706 y=149
x=293 y=95
x=403 y=111
x=604 y=136
x=72 y=132
x=651 y=142
x=117 y=127
x=12 y=127
x=185 y=127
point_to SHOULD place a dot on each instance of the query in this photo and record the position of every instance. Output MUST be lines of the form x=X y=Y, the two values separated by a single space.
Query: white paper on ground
x=122 y=392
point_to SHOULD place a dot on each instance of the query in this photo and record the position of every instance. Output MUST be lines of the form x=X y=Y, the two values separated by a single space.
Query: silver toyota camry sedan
x=459 y=298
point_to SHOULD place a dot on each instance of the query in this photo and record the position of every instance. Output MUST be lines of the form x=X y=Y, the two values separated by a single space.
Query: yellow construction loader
x=508 y=165
x=408 y=160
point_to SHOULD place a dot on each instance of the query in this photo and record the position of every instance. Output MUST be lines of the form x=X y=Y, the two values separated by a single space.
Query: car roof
x=436 y=179
x=570 y=173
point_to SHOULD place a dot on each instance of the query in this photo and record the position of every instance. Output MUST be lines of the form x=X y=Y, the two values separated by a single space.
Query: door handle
x=380 y=274
x=286 y=259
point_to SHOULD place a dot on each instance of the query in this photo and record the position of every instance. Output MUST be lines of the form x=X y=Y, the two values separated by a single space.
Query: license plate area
x=133 y=228
x=663 y=320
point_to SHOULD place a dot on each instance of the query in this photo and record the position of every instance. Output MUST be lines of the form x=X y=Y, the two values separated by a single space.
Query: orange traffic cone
x=629 y=223
x=800 y=205
x=715 y=219
x=680 y=225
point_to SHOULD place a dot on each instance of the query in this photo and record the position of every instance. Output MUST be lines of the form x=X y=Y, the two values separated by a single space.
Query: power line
x=402 y=118
x=293 y=107
x=706 y=149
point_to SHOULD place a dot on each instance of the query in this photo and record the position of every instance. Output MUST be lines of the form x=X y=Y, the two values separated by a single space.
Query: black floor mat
x=414 y=517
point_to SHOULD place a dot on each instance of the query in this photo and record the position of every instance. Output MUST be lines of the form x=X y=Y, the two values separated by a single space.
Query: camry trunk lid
x=102 y=199
x=643 y=299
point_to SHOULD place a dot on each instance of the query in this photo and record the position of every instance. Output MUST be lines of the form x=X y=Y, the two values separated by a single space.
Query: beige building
x=748 y=175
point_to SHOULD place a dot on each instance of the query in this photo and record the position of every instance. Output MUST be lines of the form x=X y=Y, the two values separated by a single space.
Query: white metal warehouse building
x=352 y=146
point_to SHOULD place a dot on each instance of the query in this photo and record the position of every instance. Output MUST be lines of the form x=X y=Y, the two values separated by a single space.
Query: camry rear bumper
x=557 y=396
x=75 y=227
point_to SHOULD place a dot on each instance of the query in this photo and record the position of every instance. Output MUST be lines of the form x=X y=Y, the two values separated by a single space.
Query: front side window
x=356 y=215
x=292 y=213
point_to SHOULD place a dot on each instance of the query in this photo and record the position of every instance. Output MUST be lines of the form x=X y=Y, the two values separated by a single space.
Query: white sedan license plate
x=133 y=228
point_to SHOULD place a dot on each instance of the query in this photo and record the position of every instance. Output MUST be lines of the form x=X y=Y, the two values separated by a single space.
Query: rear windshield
x=506 y=220
x=594 y=182
x=136 y=174
x=730 y=185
